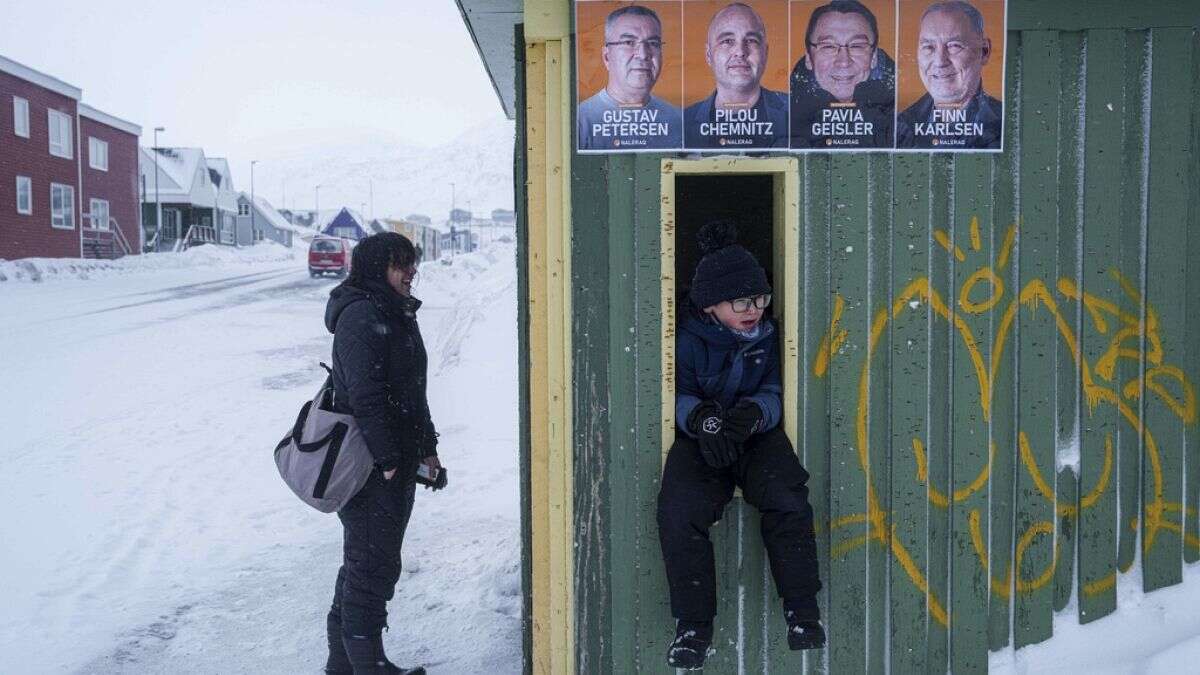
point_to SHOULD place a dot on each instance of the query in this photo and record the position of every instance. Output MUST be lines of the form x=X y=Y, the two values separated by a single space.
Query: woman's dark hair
x=843 y=7
x=375 y=254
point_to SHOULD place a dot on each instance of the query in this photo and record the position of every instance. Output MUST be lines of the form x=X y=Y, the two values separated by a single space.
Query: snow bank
x=50 y=269
x=1154 y=633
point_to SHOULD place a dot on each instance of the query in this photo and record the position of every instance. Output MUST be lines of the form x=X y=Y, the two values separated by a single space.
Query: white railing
x=179 y=243
x=119 y=236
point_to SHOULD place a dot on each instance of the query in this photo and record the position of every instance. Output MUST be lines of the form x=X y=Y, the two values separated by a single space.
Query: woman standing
x=379 y=366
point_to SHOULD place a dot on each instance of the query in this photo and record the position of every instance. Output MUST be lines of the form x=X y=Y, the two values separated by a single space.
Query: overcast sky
x=244 y=78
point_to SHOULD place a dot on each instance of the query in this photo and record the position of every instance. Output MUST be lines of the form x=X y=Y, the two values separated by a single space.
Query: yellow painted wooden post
x=548 y=87
x=538 y=409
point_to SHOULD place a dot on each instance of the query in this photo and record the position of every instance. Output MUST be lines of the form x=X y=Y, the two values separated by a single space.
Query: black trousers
x=693 y=497
x=373 y=525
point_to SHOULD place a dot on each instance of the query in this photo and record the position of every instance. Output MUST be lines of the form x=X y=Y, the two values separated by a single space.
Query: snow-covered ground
x=146 y=529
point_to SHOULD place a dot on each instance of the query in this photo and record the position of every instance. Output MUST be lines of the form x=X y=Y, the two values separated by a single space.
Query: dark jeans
x=373 y=525
x=693 y=497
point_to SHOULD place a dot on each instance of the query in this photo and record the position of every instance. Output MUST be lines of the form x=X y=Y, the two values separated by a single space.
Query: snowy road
x=146 y=528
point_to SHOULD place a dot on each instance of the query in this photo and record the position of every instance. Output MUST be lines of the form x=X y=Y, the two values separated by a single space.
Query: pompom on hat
x=727 y=270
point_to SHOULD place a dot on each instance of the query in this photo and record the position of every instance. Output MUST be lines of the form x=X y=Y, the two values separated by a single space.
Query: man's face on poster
x=951 y=56
x=842 y=53
x=737 y=49
x=633 y=56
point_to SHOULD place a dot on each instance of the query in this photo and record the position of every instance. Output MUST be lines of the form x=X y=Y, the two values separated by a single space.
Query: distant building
x=259 y=221
x=299 y=218
x=68 y=172
x=504 y=217
x=454 y=239
x=346 y=225
x=421 y=234
x=194 y=194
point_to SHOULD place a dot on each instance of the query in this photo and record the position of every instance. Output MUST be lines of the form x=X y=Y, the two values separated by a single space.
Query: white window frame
x=61 y=122
x=92 y=209
x=97 y=150
x=25 y=185
x=65 y=214
x=243 y=209
x=21 y=117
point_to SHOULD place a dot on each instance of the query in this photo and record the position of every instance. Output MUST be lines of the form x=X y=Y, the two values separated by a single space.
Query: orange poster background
x=908 y=85
x=589 y=32
x=885 y=16
x=698 y=80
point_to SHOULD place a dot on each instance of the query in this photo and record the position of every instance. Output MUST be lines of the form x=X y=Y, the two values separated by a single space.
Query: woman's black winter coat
x=379 y=371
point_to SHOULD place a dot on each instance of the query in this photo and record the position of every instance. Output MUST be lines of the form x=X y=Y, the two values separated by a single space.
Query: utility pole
x=470 y=222
x=157 y=204
x=253 y=207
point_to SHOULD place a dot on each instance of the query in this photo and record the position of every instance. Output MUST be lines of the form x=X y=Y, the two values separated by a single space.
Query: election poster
x=951 y=88
x=630 y=80
x=735 y=88
x=699 y=76
x=843 y=84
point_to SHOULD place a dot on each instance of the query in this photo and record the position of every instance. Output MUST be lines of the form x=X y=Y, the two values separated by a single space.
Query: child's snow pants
x=693 y=497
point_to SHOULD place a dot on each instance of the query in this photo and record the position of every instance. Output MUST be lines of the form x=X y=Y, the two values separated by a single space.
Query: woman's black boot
x=367 y=657
x=337 y=663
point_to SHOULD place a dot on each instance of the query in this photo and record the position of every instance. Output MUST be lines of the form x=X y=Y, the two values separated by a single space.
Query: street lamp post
x=157 y=204
x=317 y=214
x=253 y=206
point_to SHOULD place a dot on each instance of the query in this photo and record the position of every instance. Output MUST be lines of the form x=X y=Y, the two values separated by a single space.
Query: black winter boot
x=337 y=663
x=804 y=633
x=366 y=655
x=690 y=646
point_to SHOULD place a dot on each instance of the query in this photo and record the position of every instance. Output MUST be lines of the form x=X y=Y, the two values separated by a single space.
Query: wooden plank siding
x=989 y=372
x=1163 y=305
x=1104 y=87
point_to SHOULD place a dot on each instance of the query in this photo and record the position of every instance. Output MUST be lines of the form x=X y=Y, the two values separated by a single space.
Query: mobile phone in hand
x=431 y=477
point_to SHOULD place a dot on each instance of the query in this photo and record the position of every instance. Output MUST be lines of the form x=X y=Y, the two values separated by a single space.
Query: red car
x=329 y=255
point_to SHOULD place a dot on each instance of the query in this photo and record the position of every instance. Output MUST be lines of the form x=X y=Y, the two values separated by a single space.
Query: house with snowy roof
x=258 y=220
x=188 y=198
x=346 y=224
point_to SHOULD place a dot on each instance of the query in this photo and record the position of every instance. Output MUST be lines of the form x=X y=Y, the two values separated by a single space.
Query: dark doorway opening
x=747 y=200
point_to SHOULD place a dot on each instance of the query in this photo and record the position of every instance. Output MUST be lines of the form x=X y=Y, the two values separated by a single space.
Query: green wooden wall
x=996 y=400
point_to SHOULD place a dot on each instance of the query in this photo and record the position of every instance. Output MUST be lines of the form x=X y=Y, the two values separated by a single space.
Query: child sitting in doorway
x=728 y=412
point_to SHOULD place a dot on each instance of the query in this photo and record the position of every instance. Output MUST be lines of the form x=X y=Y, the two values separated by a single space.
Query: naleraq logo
x=712 y=424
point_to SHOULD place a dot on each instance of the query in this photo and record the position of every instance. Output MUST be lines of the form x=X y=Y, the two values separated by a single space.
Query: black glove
x=717 y=449
x=742 y=421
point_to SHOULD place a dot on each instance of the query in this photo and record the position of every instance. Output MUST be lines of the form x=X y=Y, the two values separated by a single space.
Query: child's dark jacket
x=713 y=362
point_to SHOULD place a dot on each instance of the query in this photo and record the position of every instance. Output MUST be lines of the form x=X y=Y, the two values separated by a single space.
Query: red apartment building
x=68 y=172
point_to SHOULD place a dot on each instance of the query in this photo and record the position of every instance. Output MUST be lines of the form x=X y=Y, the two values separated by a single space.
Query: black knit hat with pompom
x=727 y=270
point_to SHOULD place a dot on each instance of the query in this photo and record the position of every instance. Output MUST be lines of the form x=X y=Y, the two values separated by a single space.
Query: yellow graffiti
x=944 y=239
x=935 y=496
x=833 y=340
x=1126 y=333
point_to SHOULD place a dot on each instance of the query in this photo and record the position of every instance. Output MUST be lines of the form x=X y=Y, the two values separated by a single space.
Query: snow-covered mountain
x=406 y=178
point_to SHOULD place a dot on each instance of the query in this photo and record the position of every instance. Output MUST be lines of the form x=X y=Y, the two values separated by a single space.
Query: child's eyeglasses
x=743 y=305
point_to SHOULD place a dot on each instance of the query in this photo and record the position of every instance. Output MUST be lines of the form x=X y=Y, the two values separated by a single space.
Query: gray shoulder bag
x=324 y=458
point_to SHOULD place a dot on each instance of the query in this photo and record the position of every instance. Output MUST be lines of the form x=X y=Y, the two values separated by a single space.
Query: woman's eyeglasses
x=743 y=305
